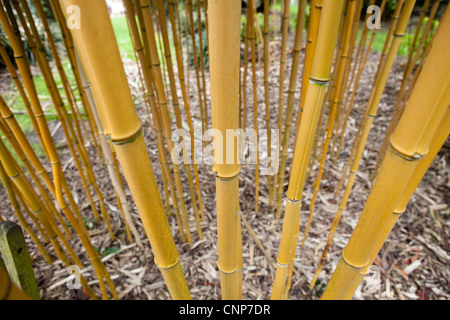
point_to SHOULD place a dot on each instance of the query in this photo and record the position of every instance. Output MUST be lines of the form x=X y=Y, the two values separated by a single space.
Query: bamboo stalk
x=148 y=79
x=202 y=61
x=23 y=95
x=163 y=105
x=343 y=61
x=109 y=159
x=436 y=144
x=10 y=128
x=224 y=28
x=59 y=179
x=311 y=41
x=191 y=32
x=409 y=144
x=371 y=114
x=165 y=37
x=179 y=57
x=320 y=75
x=66 y=124
x=140 y=48
x=70 y=50
x=351 y=97
x=101 y=59
x=398 y=109
x=252 y=38
x=266 y=58
x=290 y=103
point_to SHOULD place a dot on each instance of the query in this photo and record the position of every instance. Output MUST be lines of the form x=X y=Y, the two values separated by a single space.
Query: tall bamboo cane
x=343 y=62
x=282 y=73
x=23 y=95
x=372 y=112
x=73 y=142
x=319 y=78
x=101 y=58
x=410 y=66
x=266 y=58
x=22 y=185
x=290 y=103
x=173 y=89
x=224 y=28
x=141 y=49
x=436 y=144
x=70 y=50
x=409 y=144
x=191 y=31
x=10 y=128
x=394 y=19
x=163 y=105
x=252 y=38
x=351 y=98
x=179 y=56
x=110 y=163
x=314 y=19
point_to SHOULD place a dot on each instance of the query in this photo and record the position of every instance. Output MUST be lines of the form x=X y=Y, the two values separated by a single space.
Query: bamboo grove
x=225 y=64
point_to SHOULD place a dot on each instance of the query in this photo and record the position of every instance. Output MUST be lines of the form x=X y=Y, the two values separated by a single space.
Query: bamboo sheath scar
x=224 y=29
x=320 y=75
x=101 y=58
x=410 y=142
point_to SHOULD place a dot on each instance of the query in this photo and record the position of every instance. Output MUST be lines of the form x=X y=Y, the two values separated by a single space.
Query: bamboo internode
x=224 y=46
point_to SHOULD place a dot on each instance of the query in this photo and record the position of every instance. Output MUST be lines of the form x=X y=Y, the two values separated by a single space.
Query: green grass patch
x=122 y=33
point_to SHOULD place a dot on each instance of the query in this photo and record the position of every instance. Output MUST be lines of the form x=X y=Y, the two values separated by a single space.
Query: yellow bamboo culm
x=252 y=38
x=173 y=89
x=311 y=40
x=409 y=145
x=23 y=222
x=290 y=103
x=319 y=78
x=59 y=185
x=101 y=60
x=224 y=46
x=148 y=80
x=410 y=67
x=179 y=57
x=368 y=120
x=342 y=65
x=109 y=159
x=163 y=105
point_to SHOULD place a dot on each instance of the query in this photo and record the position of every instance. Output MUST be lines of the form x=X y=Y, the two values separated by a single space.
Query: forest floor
x=413 y=263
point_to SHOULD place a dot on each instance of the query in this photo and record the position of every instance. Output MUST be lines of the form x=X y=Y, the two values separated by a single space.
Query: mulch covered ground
x=413 y=263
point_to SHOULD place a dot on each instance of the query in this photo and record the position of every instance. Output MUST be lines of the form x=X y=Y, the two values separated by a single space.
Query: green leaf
x=110 y=250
